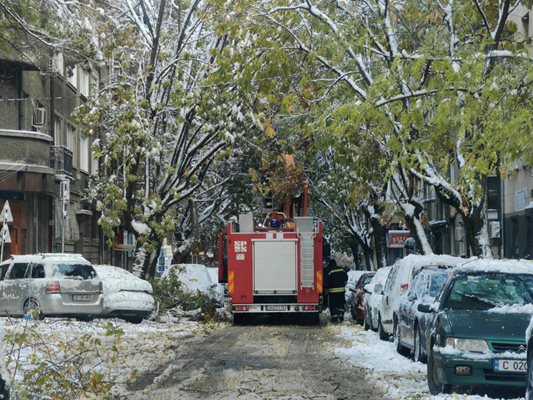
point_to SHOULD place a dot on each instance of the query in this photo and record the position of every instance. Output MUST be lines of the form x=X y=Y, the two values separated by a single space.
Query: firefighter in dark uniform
x=336 y=282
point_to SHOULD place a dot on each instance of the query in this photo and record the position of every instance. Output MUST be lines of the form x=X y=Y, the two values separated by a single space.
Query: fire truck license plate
x=276 y=308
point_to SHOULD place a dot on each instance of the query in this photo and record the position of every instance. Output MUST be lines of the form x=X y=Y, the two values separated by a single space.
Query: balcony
x=25 y=151
x=61 y=161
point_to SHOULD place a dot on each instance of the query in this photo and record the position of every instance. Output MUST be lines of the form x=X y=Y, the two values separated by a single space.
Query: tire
x=32 y=306
x=309 y=319
x=418 y=354
x=381 y=332
x=134 y=320
x=400 y=348
x=434 y=385
x=529 y=379
x=239 y=319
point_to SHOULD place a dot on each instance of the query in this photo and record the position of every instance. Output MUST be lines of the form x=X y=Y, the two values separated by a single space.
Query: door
x=275 y=266
x=15 y=288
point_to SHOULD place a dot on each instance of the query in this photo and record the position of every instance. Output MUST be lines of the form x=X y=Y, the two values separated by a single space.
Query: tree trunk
x=476 y=233
x=412 y=215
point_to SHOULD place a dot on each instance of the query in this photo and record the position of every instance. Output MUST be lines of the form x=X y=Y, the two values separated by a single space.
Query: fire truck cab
x=274 y=269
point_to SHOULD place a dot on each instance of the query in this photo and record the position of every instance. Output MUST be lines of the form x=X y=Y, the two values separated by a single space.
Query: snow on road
x=398 y=376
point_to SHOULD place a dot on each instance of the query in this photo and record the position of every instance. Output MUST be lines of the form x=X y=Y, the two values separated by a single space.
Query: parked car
x=373 y=297
x=478 y=325
x=529 y=373
x=353 y=277
x=50 y=285
x=398 y=282
x=357 y=295
x=125 y=295
x=412 y=324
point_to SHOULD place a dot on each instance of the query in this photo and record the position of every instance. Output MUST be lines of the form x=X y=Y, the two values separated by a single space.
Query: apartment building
x=41 y=148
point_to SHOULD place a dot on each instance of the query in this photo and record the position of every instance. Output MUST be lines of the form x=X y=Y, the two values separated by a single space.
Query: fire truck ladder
x=307 y=258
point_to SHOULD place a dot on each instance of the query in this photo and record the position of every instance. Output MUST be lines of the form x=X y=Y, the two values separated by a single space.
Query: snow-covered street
x=191 y=360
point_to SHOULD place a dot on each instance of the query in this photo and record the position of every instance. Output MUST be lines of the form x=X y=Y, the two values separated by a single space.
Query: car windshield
x=367 y=279
x=489 y=290
x=82 y=271
x=437 y=281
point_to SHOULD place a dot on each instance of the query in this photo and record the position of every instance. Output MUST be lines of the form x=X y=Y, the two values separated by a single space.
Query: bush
x=62 y=369
x=170 y=293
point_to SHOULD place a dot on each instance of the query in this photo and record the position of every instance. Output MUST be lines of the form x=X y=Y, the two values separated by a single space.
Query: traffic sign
x=5 y=235
x=6 y=213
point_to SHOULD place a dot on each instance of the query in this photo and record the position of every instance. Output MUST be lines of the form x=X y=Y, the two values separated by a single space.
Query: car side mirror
x=378 y=289
x=425 y=308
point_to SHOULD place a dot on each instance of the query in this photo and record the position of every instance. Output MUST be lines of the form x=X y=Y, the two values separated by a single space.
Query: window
x=71 y=130
x=72 y=76
x=84 y=153
x=37 y=271
x=58 y=130
x=83 y=271
x=3 y=270
x=492 y=192
x=18 y=271
x=94 y=164
x=84 y=82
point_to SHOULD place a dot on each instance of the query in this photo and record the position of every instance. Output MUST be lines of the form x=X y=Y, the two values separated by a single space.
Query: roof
x=502 y=266
x=49 y=256
x=417 y=260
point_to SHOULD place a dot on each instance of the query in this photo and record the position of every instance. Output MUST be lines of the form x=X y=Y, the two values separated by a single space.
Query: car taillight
x=241 y=308
x=403 y=288
x=53 y=287
x=310 y=308
x=101 y=288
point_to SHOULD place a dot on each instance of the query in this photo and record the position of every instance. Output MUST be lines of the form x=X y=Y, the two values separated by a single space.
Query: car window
x=436 y=283
x=391 y=278
x=18 y=271
x=37 y=271
x=367 y=280
x=3 y=270
x=485 y=291
x=83 y=271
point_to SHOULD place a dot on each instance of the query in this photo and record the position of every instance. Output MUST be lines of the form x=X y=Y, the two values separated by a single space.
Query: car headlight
x=473 y=345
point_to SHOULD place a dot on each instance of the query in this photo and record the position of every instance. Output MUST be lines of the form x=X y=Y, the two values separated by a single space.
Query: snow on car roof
x=432 y=260
x=503 y=266
x=116 y=279
x=51 y=257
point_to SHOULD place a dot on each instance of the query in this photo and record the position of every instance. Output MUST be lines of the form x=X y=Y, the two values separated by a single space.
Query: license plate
x=276 y=308
x=510 y=365
x=81 y=297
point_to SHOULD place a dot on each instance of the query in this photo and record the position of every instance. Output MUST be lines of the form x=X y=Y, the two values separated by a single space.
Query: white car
x=373 y=298
x=398 y=282
x=125 y=295
x=197 y=278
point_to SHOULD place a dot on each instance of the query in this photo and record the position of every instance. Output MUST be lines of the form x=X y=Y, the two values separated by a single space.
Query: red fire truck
x=274 y=267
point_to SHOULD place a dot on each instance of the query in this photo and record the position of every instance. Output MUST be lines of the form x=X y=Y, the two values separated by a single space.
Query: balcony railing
x=61 y=160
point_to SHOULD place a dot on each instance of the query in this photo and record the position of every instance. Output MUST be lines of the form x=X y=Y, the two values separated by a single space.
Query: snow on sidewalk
x=398 y=376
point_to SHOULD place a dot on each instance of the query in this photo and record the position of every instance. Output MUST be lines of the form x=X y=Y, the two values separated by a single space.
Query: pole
x=3 y=238
x=62 y=233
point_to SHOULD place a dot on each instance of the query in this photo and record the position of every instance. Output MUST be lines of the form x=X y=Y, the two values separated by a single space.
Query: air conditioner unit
x=494 y=229
x=39 y=118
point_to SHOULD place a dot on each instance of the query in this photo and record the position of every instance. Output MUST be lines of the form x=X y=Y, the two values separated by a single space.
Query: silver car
x=52 y=284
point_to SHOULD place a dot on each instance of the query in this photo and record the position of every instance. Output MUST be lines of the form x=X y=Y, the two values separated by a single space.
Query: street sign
x=6 y=213
x=5 y=235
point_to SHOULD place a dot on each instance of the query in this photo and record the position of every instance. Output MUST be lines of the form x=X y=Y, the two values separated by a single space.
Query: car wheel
x=381 y=332
x=33 y=308
x=434 y=384
x=417 y=344
x=529 y=379
x=400 y=348
x=134 y=320
x=239 y=319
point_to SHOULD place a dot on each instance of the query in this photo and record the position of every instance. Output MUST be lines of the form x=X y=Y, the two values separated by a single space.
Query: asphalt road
x=263 y=361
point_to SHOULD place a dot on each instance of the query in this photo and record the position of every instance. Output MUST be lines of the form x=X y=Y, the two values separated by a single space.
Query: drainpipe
x=21 y=103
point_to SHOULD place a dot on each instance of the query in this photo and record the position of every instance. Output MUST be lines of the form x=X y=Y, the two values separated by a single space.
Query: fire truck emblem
x=240 y=246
